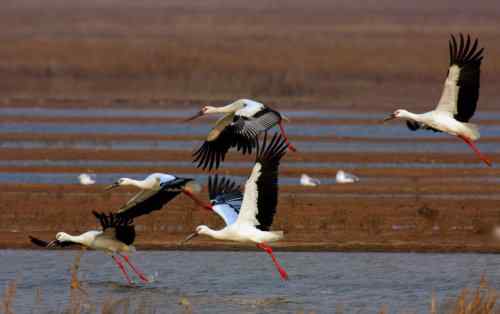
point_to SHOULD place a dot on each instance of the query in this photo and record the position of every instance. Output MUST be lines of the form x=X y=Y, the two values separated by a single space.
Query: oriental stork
x=115 y=238
x=242 y=122
x=459 y=98
x=155 y=183
x=249 y=217
x=118 y=232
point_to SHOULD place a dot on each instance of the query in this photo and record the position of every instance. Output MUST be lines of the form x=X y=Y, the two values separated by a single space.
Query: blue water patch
x=247 y=282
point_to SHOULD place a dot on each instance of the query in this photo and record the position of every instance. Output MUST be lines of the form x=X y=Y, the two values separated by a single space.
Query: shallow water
x=246 y=282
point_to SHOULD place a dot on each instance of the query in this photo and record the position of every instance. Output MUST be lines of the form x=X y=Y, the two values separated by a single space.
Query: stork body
x=249 y=217
x=242 y=122
x=458 y=101
x=115 y=239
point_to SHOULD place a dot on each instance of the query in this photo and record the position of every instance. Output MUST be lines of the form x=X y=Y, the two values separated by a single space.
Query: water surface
x=246 y=282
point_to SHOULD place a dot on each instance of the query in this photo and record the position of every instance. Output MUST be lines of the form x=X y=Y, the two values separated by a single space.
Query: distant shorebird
x=167 y=185
x=252 y=222
x=244 y=119
x=459 y=98
x=345 y=177
x=306 y=180
x=87 y=178
x=115 y=238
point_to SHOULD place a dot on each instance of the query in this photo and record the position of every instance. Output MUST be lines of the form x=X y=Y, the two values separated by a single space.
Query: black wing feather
x=212 y=153
x=123 y=226
x=168 y=191
x=414 y=126
x=269 y=156
x=222 y=190
x=469 y=60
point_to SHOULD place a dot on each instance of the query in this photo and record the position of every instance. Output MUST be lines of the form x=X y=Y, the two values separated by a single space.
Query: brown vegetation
x=278 y=51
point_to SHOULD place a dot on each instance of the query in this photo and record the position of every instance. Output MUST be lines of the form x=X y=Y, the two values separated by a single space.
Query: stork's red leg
x=476 y=150
x=282 y=130
x=269 y=251
x=122 y=268
x=135 y=269
x=197 y=200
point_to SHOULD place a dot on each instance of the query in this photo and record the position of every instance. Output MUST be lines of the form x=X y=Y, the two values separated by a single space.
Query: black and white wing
x=261 y=189
x=53 y=243
x=225 y=197
x=118 y=227
x=263 y=120
x=168 y=191
x=461 y=88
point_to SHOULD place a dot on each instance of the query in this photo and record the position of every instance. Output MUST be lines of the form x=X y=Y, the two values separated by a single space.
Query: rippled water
x=246 y=282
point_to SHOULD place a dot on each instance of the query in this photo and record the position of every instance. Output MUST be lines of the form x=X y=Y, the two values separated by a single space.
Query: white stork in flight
x=156 y=182
x=251 y=223
x=117 y=232
x=242 y=122
x=459 y=98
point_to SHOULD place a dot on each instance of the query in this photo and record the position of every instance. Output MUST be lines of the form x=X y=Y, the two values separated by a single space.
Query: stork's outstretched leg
x=197 y=200
x=137 y=271
x=476 y=150
x=282 y=130
x=269 y=251
x=122 y=268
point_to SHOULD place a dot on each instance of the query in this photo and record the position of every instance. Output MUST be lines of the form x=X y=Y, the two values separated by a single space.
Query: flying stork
x=249 y=217
x=156 y=183
x=118 y=232
x=459 y=98
x=242 y=122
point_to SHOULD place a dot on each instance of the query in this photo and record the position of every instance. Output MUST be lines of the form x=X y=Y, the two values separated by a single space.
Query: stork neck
x=410 y=116
x=137 y=183
x=228 y=108
x=84 y=238
x=216 y=234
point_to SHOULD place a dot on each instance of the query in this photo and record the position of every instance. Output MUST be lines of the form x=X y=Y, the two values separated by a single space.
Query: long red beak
x=197 y=115
x=197 y=200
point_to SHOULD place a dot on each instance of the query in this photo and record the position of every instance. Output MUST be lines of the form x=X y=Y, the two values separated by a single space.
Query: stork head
x=61 y=236
x=400 y=113
x=199 y=230
x=203 y=111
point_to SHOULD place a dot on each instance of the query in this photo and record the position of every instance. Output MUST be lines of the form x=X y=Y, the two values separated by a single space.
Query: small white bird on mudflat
x=459 y=98
x=345 y=177
x=306 y=180
x=249 y=217
x=87 y=178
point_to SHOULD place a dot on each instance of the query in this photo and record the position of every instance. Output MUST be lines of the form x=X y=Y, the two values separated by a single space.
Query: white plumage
x=254 y=212
x=458 y=100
